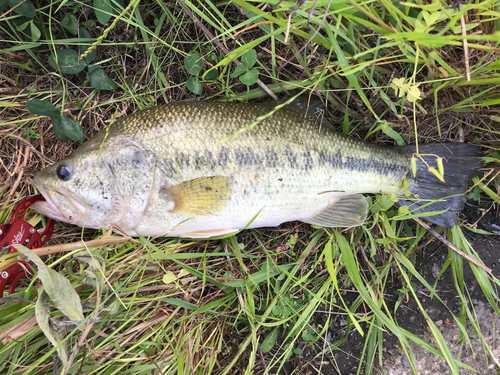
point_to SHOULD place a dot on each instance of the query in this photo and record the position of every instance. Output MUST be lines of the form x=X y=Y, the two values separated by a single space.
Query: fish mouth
x=74 y=207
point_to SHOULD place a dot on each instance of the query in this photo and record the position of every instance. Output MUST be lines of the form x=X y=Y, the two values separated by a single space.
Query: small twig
x=262 y=361
x=41 y=251
x=466 y=47
x=11 y=9
x=105 y=240
x=27 y=154
x=14 y=299
x=65 y=323
x=26 y=143
x=221 y=46
x=309 y=15
x=251 y=27
x=451 y=246
x=240 y=297
x=293 y=10
x=308 y=41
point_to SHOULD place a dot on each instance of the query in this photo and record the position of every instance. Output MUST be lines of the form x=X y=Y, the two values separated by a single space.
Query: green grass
x=264 y=300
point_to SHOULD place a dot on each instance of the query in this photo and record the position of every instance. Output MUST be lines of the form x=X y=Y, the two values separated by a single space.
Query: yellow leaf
x=413 y=94
x=414 y=165
x=183 y=273
x=397 y=82
x=439 y=162
x=437 y=174
x=169 y=277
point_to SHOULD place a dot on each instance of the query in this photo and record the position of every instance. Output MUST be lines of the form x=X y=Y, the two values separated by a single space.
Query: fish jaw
x=60 y=204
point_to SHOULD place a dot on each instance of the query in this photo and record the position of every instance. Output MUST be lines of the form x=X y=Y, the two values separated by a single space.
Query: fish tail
x=460 y=162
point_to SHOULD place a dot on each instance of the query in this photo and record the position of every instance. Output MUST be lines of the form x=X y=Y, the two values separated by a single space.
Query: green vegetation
x=391 y=72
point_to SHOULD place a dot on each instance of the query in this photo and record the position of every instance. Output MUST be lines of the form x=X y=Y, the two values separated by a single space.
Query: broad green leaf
x=250 y=77
x=211 y=75
x=430 y=18
x=269 y=341
x=72 y=128
x=468 y=27
x=103 y=10
x=58 y=288
x=240 y=69
x=42 y=315
x=68 y=61
x=385 y=204
x=100 y=80
x=403 y=210
x=66 y=129
x=59 y=130
x=42 y=108
x=83 y=48
x=24 y=25
x=26 y=9
x=249 y=59
x=420 y=27
x=308 y=335
x=3 y=5
x=389 y=131
x=193 y=84
x=193 y=63
x=70 y=23
x=35 y=32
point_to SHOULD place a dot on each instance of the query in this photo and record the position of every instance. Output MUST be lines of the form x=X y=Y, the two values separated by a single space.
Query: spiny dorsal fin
x=346 y=211
x=201 y=196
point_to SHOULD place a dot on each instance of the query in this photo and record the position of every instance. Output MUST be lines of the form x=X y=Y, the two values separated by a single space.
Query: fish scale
x=195 y=180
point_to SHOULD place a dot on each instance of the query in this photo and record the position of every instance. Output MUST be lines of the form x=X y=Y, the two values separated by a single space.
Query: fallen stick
x=453 y=247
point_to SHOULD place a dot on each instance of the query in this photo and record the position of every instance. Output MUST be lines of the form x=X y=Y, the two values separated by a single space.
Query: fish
x=204 y=169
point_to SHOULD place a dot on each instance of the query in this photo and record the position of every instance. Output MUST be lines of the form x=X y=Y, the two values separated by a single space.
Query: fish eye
x=64 y=171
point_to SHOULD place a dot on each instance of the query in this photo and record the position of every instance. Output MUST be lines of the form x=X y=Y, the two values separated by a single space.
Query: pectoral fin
x=201 y=196
x=347 y=211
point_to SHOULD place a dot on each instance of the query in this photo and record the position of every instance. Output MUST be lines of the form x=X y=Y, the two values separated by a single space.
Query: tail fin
x=460 y=161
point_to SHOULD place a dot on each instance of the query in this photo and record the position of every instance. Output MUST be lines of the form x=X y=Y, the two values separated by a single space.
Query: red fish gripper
x=19 y=231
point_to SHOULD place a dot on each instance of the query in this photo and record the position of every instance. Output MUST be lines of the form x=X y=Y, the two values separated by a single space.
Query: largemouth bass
x=165 y=172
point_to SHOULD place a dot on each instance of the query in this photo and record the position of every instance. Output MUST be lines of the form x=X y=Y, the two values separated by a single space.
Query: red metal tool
x=21 y=232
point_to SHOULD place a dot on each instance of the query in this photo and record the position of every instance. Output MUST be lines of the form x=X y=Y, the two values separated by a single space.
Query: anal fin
x=209 y=233
x=346 y=211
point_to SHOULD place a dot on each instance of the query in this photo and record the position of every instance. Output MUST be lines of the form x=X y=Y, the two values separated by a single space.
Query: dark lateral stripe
x=285 y=159
x=359 y=165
